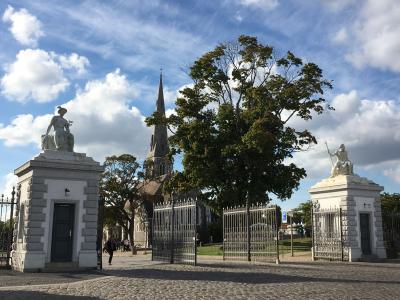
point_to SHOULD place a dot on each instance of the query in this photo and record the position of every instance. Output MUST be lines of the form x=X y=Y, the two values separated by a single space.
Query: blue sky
x=101 y=59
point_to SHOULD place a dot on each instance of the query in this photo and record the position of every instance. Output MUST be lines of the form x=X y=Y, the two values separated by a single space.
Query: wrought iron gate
x=100 y=227
x=6 y=229
x=250 y=234
x=391 y=233
x=327 y=234
x=174 y=232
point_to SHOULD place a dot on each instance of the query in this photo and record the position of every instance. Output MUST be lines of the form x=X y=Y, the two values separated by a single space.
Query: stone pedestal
x=357 y=197
x=51 y=180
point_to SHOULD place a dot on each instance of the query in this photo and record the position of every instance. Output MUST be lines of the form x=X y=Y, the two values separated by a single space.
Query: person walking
x=110 y=247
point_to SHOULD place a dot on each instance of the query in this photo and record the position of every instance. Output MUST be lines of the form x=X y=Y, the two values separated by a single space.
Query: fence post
x=195 y=232
x=312 y=233
x=152 y=234
x=223 y=235
x=172 y=227
x=11 y=230
x=277 y=234
x=100 y=224
x=291 y=235
x=248 y=228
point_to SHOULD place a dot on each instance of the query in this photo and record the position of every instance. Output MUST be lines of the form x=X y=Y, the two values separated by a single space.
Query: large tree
x=232 y=125
x=302 y=214
x=119 y=186
x=390 y=202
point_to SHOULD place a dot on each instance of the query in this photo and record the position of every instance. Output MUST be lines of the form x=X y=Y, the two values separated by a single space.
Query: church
x=158 y=169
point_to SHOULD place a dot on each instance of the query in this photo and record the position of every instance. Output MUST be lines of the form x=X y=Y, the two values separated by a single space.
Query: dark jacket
x=110 y=246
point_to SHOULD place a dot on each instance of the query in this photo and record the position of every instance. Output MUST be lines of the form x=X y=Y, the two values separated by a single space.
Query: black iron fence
x=100 y=225
x=391 y=233
x=250 y=233
x=6 y=228
x=327 y=234
x=174 y=232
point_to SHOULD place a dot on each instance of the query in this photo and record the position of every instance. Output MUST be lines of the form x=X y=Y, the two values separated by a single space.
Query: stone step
x=61 y=267
x=369 y=258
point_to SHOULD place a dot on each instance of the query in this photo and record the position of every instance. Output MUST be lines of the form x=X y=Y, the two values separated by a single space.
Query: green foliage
x=232 y=125
x=119 y=185
x=215 y=230
x=390 y=202
x=302 y=214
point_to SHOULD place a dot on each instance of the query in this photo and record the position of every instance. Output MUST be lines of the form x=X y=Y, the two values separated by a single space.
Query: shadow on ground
x=14 y=278
x=24 y=295
x=223 y=273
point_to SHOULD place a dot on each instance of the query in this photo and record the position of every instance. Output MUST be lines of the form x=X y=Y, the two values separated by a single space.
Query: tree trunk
x=131 y=232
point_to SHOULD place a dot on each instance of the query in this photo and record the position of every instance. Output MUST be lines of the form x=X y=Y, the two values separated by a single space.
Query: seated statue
x=63 y=140
x=343 y=165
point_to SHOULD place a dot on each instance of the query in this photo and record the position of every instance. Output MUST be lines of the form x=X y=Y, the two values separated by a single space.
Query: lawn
x=214 y=250
x=299 y=244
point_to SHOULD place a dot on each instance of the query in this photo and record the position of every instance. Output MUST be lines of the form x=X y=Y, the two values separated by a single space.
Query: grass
x=213 y=250
x=299 y=244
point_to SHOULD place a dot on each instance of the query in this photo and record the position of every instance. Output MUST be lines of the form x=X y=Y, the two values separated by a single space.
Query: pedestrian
x=110 y=247
x=126 y=245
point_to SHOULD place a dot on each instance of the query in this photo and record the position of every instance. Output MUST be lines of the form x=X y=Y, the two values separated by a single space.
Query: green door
x=63 y=228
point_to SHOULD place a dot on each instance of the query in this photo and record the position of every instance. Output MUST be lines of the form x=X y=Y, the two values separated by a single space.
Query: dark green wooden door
x=63 y=228
x=365 y=234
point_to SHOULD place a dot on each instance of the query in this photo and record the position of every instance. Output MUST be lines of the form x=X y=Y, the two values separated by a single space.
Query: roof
x=153 y=187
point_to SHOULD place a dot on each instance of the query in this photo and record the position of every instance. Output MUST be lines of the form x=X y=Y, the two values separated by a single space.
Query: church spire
x=159 y=140
x=160 y=99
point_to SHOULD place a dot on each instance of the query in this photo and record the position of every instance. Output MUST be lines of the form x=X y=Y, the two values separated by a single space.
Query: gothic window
x=162 y=169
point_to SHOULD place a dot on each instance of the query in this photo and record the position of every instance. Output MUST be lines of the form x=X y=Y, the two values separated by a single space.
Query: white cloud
x=74 y=61
x=393 y=172
x=377 y=32
x=7 y=183
x=24 y=129
x=370 y=129
x=25 y=27
x=104 y=122
x=238 y=17
x=338 y=5
x=346 y=105
x=39 y=75
x=34 y=75
x=264 y=4
x=341 y=36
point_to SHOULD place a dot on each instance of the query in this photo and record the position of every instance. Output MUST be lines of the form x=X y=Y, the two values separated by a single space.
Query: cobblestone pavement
x=135 y=278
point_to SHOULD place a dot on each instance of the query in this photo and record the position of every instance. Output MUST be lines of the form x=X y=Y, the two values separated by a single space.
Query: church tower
x=157 y=162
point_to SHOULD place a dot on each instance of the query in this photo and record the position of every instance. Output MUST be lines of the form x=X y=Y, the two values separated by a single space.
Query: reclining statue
x=343 y=165
x=63 y=140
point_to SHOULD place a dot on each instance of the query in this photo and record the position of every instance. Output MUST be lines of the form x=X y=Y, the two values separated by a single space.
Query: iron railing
x=391 y=233
x=6 y=229
x=174 y=232
x=327 y=234
x=250 y=233
x=100 y=225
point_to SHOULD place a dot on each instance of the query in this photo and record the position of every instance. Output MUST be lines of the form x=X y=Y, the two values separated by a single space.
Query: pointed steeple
x=159 y=140
x=160 y=99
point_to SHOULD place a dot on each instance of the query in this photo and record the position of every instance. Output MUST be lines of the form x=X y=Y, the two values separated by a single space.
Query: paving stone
x=128 y=278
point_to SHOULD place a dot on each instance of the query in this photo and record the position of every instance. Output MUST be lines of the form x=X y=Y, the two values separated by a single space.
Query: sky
x=102 y=60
